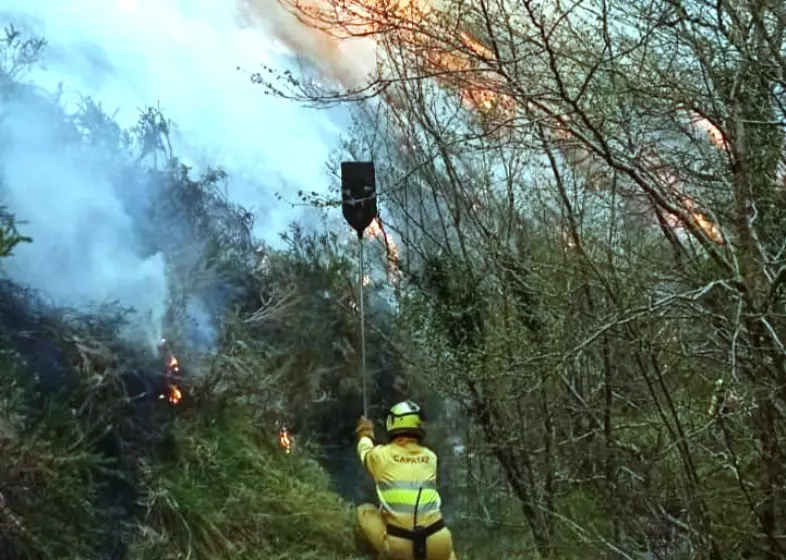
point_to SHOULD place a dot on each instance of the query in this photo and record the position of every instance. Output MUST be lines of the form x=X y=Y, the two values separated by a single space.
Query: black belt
x=417 y=535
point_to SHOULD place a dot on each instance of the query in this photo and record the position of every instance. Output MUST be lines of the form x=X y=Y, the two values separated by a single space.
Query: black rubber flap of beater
x=358 y=194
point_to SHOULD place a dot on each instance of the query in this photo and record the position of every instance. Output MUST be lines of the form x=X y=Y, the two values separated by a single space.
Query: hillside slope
x=92 y=459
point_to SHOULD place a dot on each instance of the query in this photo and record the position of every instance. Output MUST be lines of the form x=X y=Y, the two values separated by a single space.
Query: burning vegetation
x=172 y=376
x=285 y=440
x=392 y=257
x=98 y=427
x=421 y=39
x=98 y=456
x=647 y=143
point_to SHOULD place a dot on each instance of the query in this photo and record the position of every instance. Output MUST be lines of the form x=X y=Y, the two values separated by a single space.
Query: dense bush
x=93 y=462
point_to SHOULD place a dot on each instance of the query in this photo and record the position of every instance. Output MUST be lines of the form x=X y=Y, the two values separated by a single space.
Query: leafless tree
x=590 y=197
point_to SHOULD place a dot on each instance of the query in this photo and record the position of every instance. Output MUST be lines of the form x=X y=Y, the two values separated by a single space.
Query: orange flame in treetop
x=469 y=66
x=377 y=231
x=479 y=87
x=485 y=99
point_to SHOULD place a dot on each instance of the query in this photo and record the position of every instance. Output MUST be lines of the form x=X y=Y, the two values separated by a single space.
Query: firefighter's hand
x=364 y=428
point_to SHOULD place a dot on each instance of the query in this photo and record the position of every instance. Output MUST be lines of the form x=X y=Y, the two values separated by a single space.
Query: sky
x=192 y=58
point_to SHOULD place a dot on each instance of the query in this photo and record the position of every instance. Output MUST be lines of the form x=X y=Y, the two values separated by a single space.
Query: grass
x=211 y=483
x=47 y=489
x=231 y=493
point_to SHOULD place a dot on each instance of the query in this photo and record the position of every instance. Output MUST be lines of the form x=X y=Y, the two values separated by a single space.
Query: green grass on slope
x=231 y=493
x=47 y=489
x=228 y=493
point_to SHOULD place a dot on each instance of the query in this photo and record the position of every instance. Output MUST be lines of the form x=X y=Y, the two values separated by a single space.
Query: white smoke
x=348 y=61
x=180 y=55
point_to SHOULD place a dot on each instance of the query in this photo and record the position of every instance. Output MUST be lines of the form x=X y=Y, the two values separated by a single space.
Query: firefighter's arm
x=365 y=446
x=365 y=435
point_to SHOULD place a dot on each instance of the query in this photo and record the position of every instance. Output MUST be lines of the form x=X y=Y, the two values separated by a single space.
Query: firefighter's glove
x=364 y=428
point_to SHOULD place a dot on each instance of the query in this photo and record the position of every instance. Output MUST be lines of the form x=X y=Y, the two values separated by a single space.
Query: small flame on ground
x=174 y=394
x=285 y=439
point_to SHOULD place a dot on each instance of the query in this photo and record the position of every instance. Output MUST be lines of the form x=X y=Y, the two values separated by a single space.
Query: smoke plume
x=347 y=61
x=182 y=56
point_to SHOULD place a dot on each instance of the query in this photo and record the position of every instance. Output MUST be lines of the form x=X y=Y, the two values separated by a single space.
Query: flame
x=700 y=219
x=392 y=256
x=375 y=228
x=483 y=99
x=468 y=66
x=174 y=394
x=343 y=19
x=285 y=440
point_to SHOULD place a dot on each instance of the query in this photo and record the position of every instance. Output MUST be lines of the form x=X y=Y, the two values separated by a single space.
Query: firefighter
x=408 y=524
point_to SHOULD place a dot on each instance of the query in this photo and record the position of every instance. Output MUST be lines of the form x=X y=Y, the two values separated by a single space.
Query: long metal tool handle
x=361 y=279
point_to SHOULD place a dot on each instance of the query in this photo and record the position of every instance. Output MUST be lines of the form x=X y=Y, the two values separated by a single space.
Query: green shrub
x=232 y=493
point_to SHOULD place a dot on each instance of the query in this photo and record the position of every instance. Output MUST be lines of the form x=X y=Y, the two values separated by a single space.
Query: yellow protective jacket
x=402 y=469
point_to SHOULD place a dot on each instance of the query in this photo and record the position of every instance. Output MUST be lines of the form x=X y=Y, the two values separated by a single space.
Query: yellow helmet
x=405 y=418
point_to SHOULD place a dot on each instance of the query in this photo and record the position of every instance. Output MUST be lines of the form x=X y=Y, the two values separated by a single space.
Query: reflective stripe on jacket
x=401 y=469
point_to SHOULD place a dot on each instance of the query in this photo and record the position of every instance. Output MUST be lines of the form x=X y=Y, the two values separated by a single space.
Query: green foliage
x=19 y=55
x=10 y=236
x=232 y=494
x=206 y=478
x=47 y=470
x=220 y=487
